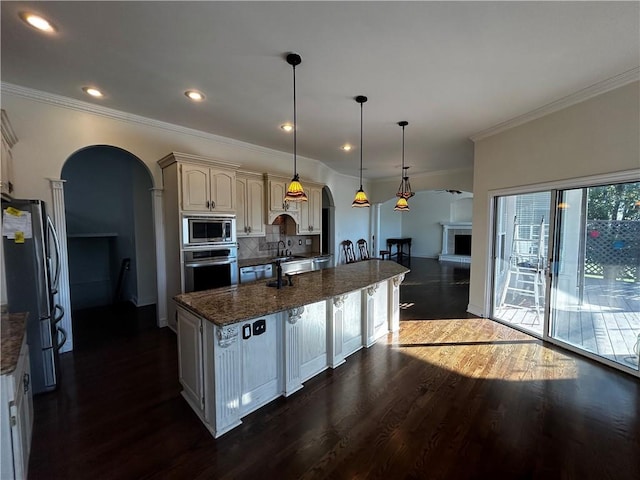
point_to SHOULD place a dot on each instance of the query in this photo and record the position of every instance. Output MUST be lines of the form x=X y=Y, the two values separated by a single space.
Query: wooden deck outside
x=606 y=323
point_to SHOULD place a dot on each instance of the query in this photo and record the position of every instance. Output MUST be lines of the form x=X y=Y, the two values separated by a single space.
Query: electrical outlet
x=259 y=326
x=308 y=241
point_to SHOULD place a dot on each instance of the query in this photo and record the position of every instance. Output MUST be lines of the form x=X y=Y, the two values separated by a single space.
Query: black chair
x=363 y=249
x=349 y=252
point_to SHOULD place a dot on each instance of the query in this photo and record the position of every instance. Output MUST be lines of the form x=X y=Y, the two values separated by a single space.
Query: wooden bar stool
x=385 y=254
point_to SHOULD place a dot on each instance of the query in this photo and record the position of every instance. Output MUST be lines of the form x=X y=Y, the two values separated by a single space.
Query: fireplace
x=462 y=244
x=456 y=242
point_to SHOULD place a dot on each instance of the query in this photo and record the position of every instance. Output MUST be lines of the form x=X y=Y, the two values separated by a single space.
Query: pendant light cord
x=403 y=150
x=361 y=145
x=295 y=124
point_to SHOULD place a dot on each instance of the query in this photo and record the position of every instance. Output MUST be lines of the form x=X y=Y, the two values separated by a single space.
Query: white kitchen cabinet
x=190 y=358
x=208 y=189
x=261 y=365
x=17 y=418
x=276 y=190
x=250 y=205
x=9 y=139
x=311 y=211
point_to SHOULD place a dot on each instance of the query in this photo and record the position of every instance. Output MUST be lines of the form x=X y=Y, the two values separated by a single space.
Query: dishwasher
x=256 y=272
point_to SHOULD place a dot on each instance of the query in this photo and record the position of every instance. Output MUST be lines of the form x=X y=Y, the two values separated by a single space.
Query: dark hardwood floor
x=433 y=290
x=446 y=398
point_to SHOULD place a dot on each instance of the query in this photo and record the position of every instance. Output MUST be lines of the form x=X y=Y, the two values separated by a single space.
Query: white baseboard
x=476 y=310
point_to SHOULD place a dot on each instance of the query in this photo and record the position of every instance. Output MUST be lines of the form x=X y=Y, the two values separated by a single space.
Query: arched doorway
x=110 y=234
x=328 y=222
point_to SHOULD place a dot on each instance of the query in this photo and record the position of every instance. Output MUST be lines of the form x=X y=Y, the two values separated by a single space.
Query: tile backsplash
x=267 y=246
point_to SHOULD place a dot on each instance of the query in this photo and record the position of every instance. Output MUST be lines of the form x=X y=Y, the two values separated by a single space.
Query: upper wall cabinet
x=311 y=211
x=205 y=185
x=276 y=190
x=9 y=139
x=208 y=189
x=250 y=205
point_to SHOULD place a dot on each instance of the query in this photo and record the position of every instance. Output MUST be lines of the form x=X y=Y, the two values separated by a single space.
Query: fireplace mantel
x=449 y=231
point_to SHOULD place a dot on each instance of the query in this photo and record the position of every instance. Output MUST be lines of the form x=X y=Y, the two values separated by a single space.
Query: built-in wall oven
x=210 y=266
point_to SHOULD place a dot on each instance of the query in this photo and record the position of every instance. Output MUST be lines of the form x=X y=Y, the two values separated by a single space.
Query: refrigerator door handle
x=56 y=276
x=64 y=337
x=59 y=317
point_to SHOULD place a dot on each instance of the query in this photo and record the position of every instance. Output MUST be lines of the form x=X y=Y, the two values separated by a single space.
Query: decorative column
x=161 y=266
x=394 y=303
x=63 y=296
x=292 y=352
x=368 y=315
x=227 y=376
x=335 y=332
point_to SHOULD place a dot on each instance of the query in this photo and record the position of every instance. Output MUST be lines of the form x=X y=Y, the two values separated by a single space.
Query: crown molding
x=427 y=174
x=78 y=105
x=562 y=103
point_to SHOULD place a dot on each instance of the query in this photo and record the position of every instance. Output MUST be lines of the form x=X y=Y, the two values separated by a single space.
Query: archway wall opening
x=110 y=230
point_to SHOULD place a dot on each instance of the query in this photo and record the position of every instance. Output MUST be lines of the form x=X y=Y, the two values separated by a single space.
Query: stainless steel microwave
x=201 y=229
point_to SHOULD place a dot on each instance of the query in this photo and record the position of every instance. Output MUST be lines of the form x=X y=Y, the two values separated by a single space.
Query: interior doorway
x=328 y=222
x=110 y=229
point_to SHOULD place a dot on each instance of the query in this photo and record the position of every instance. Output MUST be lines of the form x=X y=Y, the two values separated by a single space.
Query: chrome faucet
x=283 y=248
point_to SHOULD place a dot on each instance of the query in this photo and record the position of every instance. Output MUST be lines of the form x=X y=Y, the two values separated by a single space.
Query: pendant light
x=404 y=191
x=295 y=192
x=361 y=199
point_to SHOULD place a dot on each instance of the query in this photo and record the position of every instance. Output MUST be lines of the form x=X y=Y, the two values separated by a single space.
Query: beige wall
x=598 y=136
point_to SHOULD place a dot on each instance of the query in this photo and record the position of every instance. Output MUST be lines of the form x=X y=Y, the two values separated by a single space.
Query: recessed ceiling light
x=194 y=95
x=287 y=127
x=346 y=147
x=94 y=92
x=38 y=22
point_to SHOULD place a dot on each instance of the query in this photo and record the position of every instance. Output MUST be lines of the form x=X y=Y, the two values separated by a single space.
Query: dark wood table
x=400 y=253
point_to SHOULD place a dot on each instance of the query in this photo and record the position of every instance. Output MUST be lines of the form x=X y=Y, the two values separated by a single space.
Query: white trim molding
x=161 y=265
x=591 y=91
x=64 y=290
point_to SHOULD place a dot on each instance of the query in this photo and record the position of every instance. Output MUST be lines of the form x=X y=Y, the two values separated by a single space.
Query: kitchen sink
x=287 y=259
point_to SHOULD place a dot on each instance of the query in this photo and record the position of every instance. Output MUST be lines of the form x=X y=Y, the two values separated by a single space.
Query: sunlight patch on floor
x=481 y=348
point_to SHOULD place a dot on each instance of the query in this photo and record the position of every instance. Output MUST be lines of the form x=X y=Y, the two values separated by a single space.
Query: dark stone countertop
x=12 y=331
x=229 y=305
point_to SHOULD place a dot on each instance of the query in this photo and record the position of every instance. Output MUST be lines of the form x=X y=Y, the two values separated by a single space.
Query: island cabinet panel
x=190 y=371
x=394 y=303
x=313 y=347
x=375 y=312
x=345 y=327
x=261 y=362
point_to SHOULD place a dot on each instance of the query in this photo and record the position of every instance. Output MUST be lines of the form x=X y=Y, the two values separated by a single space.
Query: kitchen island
x=241 y=347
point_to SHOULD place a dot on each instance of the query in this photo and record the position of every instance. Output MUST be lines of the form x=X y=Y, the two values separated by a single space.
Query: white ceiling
x=451 y=69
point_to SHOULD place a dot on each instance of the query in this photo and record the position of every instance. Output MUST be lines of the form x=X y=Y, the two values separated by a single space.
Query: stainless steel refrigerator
x=32 y=270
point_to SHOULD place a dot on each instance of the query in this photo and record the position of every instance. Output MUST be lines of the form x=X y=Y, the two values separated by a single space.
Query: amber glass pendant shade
x=402 y=205
x=361 y=199
x=295 y=192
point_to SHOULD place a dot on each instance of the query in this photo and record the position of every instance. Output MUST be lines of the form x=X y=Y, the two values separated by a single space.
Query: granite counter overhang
x=13 y=329
x=229 y=305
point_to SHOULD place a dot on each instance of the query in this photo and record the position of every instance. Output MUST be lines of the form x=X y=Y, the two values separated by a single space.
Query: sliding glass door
x=595 y=294
x=521 y=243
x=567 y=268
